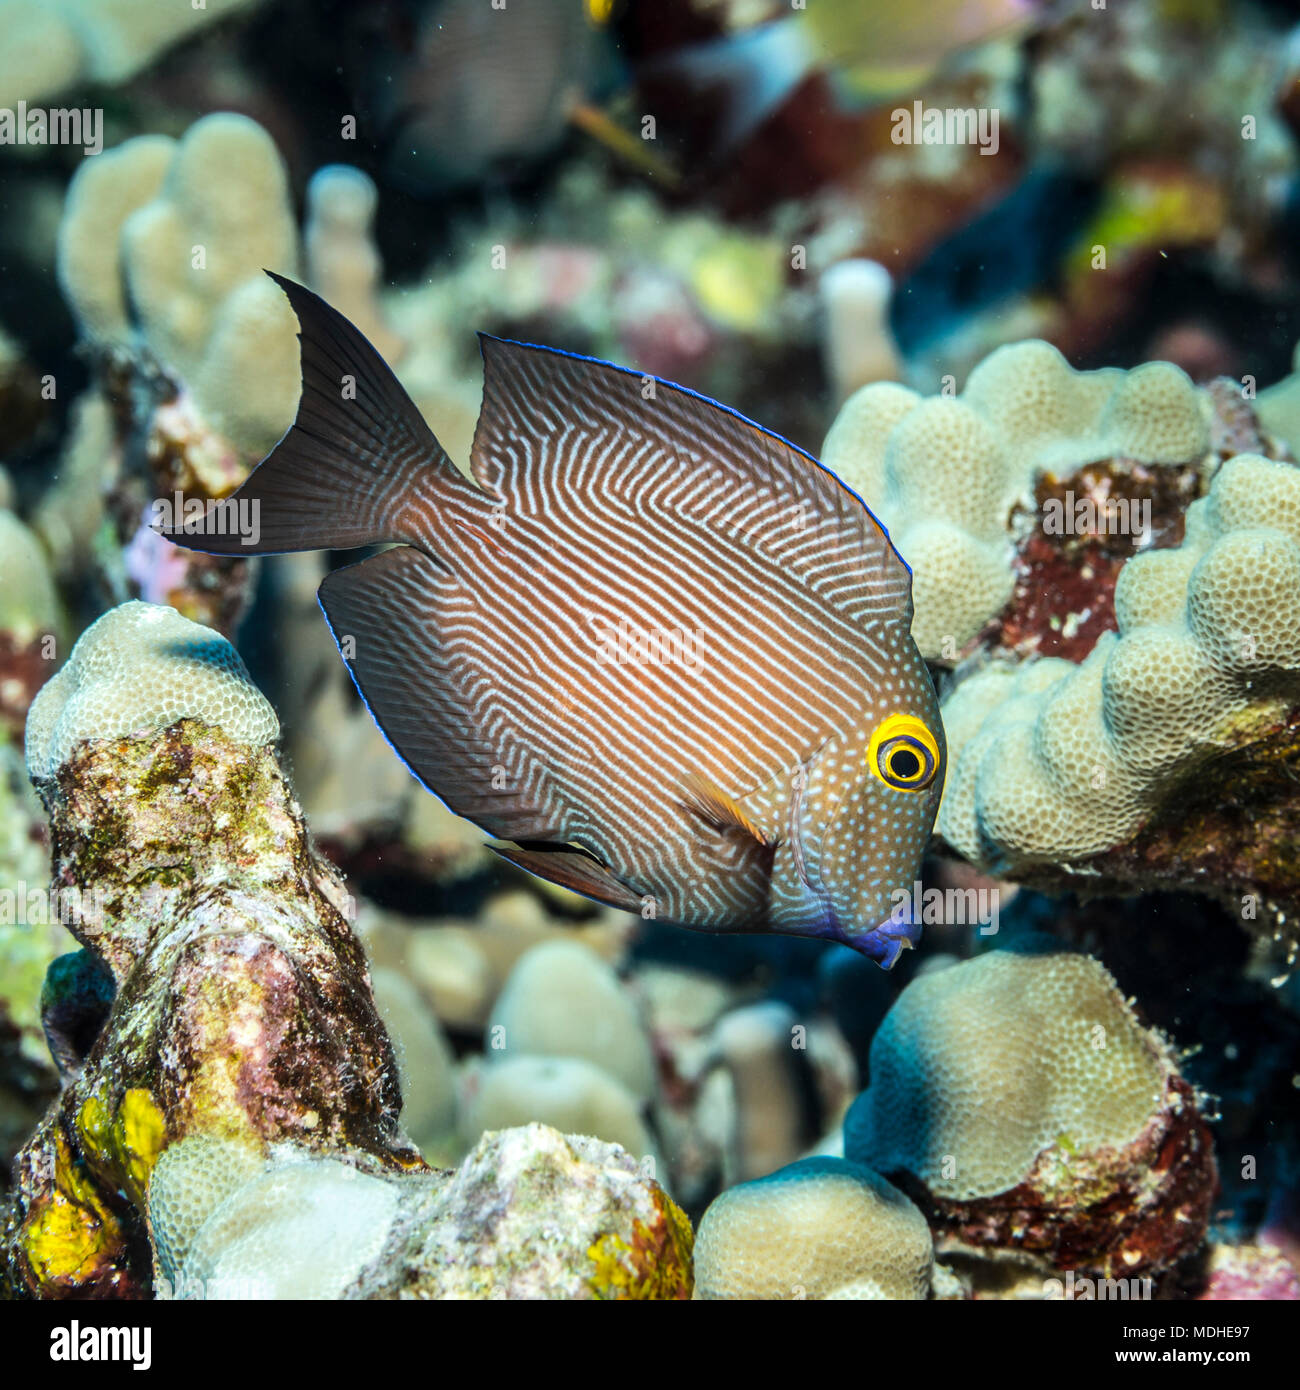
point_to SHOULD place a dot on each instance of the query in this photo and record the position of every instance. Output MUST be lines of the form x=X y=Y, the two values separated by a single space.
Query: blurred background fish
x=489 y=89
x=870 y=52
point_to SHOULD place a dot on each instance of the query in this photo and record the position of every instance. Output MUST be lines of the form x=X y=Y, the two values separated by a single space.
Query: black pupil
x=904 y=764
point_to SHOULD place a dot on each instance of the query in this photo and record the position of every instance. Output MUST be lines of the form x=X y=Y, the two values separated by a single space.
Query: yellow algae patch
x=70 y=1235
x=125 y=1145
x=655 y=1265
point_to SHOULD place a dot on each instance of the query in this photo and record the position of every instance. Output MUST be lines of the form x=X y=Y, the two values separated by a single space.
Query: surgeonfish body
x=661 y=650
x=487 y=86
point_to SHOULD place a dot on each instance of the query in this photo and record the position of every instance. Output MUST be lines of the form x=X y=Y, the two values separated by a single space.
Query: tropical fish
x=489 y=89
x=657 y=647
x=872 y=52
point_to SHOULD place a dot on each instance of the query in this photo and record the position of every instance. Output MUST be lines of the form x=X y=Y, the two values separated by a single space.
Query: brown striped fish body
x=659 y=649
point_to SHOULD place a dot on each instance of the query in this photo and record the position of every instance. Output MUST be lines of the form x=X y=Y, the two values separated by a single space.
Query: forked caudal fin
x=355 y=466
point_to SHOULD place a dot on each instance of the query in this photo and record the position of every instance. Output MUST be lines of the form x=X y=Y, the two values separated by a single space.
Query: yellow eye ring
x=903 y=753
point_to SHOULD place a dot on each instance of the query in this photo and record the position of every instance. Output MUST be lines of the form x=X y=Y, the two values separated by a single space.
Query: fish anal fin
x=386 y=614
x=719 y=809
x=574 y=870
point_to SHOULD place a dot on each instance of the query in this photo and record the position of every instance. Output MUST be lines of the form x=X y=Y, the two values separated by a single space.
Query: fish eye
x=903 y=753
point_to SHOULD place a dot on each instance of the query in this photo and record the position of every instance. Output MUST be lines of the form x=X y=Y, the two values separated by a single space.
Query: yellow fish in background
x=872 y=50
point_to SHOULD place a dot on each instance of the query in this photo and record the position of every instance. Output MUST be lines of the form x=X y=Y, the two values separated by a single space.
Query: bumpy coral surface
x=822 y=1228
x=227 y=1226
x=562 y=1000
x=947 y=473
x=1174 y=735
x=144 y=667
x=184 y=230
x=1022 y=1102
x=567 y=1093
x=529 y=1214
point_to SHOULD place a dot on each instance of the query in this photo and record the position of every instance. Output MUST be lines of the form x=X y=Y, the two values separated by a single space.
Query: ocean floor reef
x=276 y=1023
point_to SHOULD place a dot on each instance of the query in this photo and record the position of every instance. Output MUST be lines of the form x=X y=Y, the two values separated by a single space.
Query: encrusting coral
x=822 y=1228
x=1018 y=1099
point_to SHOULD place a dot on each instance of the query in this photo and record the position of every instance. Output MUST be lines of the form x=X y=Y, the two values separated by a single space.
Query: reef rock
x=242 y=1005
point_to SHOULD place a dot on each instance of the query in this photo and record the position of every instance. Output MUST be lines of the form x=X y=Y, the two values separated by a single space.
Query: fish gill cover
x=541 y=545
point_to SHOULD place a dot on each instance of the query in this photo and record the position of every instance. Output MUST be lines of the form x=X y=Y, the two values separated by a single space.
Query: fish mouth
x=883 y=943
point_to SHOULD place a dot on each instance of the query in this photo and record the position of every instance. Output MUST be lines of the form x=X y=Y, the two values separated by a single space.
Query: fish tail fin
x=357 y=467
x=745 y=76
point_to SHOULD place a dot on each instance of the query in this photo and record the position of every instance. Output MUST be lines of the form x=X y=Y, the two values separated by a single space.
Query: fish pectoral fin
x=574 y=870
x=719 y=809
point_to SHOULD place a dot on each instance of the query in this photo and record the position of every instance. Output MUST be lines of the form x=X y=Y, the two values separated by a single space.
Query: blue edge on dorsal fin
x=708 y=400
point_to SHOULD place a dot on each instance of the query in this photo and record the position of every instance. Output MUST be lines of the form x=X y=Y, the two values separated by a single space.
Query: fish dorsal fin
x=718 y=808
x=558 y=431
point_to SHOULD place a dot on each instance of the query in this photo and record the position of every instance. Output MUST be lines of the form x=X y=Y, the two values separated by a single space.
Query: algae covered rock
x=242 y=1004
x=1017 y=1097
x=531 y=1213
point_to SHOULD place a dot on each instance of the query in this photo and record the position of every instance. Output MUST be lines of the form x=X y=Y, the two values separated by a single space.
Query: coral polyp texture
x=529 y=1214
x=1168 y=754
x=953 y=477
x=143 y=667
x=1022 y=1104
x=822 y=1228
